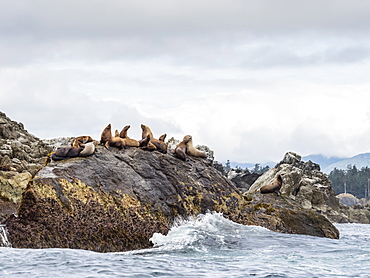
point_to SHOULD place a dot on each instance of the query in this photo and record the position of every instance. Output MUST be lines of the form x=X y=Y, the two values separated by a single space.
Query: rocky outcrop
x=351 y=200
x=20 y=149
x=347 y=199
x=304 y=183
x=115 y=200
x=243 y=179
x=21 y=155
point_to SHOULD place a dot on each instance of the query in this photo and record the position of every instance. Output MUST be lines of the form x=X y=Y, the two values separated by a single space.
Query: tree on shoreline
x=351 y=180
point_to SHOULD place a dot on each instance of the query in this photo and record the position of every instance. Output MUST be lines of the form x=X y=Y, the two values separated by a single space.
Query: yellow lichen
x=45 y=190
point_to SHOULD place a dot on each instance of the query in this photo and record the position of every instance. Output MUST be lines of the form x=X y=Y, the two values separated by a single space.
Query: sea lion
x=131 y=142
x=273 y=187
x=107 y=140
x=65 y=153
x=146 y=144
x=191 y=150
x=161 y=146
x=180 y=150
x=146 y=131
x=163 y=137
x=88 y=148
x=128 y=141
x=106 y=134
x=116 y=133
x=123 y=133
x=76 y=142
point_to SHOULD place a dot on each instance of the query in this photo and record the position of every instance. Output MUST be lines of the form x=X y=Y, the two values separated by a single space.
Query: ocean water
x=208 y=246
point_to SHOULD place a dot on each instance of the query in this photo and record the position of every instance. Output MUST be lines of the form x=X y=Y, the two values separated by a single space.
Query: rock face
x=115 y=200
x=243 y=179
x=18 y=148
x=304 y=183
x=23 y=154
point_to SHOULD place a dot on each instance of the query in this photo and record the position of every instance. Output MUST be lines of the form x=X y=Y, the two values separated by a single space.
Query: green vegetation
x=258 y=169
x=351 y=180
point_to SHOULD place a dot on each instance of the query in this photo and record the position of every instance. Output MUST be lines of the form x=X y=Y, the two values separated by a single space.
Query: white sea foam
x=204 y=232
x=206 y=246
x=4 y=242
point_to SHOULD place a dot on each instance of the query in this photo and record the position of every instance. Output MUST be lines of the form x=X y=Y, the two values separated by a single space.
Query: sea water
x=208 y=246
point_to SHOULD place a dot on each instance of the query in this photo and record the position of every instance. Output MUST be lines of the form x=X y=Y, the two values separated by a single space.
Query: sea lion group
x=80 y=146
x=85 y=145
x=186 y=148
x=148 y=142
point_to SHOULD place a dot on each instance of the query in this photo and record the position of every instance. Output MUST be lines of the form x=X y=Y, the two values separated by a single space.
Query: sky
x=251 y=80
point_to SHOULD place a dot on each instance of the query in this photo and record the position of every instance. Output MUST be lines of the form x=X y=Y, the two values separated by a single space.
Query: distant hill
x=323 y=161
x=360 y=160
x=327 y=164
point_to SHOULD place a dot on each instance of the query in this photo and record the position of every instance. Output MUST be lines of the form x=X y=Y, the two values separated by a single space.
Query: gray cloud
x=114 y=18
x=203 y=31
x=68 y=68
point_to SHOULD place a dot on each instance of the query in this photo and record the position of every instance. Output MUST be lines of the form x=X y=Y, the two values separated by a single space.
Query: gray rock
x=307 y=185
x=23 y=152
x=116 y=199
x=243 y=179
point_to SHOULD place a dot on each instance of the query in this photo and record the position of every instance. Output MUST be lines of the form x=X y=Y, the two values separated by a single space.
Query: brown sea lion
x=88 y=148
x=163 y=137
x=76 y=142
x=273 y=187
x=65 y=153
x=160 y=145
x=180 y=150
x=116 y=133
x=146 y=144
x=106 y=134
x=191 y=150
x=123 y=133
x=131 y=142
x=128 y=141
x=146 y=131
x=115 y=142
x=107 y=139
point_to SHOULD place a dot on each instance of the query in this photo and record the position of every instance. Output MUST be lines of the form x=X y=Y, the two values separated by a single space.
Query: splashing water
x=206 y=246
x=4 y=242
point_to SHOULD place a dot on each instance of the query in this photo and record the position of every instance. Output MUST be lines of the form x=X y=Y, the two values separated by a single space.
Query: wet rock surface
x=116 y=199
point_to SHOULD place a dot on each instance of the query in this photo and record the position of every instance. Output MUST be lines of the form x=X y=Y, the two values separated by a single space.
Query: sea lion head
x=187 y=138
x=163 y=137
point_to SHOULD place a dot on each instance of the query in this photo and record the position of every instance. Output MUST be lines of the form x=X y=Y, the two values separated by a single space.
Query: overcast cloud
x=250 y=79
